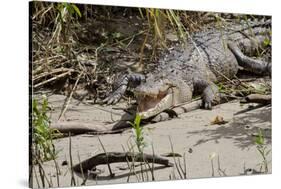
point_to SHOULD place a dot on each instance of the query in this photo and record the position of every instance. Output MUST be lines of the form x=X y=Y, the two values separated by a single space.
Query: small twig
x=57 y=170
x=246 y=79
x=108 y=164
x=152 y=169
x=83 y=176
x=172 y=148
x=69 y=97
x=185 y=169
x=52 y=79
x=219 y=168
x=73 y=183
x=125 y=39
x=51 y=180
x=54 y=71
x=242 y=82
x=212 y=165
x=181 y=169
x=128 y=164
x=141 y=172
x=36 y=178
x=52 y=59
x=146 y=164
x=142 y=49
x=131 y=150
x=97 y=49
x=43 y=173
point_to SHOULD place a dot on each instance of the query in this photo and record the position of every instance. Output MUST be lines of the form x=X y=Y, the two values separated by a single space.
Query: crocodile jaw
x=154 y=100
x=164 y=104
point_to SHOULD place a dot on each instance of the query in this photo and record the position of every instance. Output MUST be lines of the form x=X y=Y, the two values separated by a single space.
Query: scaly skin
x=208 y=57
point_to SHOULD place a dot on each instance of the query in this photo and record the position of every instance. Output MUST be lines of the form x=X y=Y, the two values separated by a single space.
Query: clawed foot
x=210 y=97
x=112 y=98
x=206 y=104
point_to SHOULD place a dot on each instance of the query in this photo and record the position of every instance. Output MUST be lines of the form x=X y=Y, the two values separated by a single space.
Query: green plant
x=139 y=139
x=138 y=133
x=263 y=151
x=42 y=134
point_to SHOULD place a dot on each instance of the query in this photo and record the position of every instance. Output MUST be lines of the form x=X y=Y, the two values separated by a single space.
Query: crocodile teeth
x=149 y=111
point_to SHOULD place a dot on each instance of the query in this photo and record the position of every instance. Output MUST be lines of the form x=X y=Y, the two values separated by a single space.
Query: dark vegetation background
x=79 y=50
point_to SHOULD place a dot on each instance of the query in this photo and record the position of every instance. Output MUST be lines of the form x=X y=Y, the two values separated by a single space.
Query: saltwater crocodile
x=207 y=57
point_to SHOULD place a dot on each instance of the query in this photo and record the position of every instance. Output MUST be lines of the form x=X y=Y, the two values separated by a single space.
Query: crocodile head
x=155 y=96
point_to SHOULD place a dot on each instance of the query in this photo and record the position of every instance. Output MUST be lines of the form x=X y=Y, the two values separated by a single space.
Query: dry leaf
x=218 y=121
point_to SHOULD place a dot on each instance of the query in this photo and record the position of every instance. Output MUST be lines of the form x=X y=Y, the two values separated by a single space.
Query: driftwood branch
x=163 y=116
x=75 y=127
x=117 y=157
x=257 y=98
x=124 y=123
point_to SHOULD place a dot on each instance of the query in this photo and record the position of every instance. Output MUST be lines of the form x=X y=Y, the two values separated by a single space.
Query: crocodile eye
x=172 y=70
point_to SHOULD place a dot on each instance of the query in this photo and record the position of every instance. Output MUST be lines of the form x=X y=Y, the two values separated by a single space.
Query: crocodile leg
x=209 y=91
x=121 y=85
x=253 y=65
x=210 y=96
